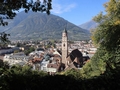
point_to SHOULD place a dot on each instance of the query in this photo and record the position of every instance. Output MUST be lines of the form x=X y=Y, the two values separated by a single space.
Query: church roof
x=75 y=59
x=75 y=53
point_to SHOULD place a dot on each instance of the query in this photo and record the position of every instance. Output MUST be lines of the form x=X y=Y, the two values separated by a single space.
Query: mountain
x=89 y=25
x=40 y=26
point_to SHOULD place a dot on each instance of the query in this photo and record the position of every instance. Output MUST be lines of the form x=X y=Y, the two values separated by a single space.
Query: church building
x=73 y=59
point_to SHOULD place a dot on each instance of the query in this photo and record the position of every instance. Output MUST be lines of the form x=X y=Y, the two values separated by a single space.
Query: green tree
x=107 y=33
x=106 y=36
x=4 y=38
x=8 y=8
x=96 y=66
x=53 y=43
x=73 y=73
x=29 y=50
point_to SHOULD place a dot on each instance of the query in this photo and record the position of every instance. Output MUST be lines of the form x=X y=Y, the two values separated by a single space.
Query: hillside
x=41 y=26
x=88 y=25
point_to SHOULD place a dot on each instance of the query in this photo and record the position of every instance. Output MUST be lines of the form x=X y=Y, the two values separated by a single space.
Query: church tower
x=64 y=46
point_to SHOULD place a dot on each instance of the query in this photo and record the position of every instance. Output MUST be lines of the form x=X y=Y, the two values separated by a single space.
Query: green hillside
x=41 y=26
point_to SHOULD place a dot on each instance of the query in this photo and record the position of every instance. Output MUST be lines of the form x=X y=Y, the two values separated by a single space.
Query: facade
x=13 y=59
x=52 y=68
x=64 y=46
x=43 y=65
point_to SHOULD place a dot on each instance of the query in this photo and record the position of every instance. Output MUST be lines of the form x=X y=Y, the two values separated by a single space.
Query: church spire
x=65 y=31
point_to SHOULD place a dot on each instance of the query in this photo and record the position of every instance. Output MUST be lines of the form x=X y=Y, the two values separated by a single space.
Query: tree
x=107 y=33
x=106 y=36
x=4 y=38
x=96 y=66
x=74 y=73
x=8 y=8
x=29 y=50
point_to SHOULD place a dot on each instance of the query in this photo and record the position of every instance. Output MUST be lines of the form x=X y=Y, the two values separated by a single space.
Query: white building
x=18 y=58
x=43 y=65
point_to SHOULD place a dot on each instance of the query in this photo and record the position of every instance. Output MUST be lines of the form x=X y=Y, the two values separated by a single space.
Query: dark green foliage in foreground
x=73 y=73
x=17 y=78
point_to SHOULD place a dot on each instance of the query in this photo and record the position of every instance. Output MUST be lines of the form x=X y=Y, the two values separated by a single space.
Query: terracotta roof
x=37 y=60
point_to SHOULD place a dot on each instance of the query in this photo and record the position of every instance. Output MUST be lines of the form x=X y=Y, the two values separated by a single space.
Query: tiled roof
x=75 y=58
x=37 y=60
x=75 y=53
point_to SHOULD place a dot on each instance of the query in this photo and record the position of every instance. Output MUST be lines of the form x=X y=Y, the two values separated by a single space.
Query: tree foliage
x=74 y=73
x=29 y=50
x=107 y=37
x=4 y=38
x=9 y=8
x=96 y=66
x=23 y=78
x=107 y=33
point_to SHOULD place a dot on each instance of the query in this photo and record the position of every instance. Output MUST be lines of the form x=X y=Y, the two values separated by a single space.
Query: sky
x=77 y=11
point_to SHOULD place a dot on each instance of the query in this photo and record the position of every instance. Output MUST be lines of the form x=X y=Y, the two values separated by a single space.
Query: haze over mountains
x=40 y=26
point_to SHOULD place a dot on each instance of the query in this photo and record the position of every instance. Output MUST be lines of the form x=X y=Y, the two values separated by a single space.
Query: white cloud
x=57 y=8
x=69 y=7
x=61 y=8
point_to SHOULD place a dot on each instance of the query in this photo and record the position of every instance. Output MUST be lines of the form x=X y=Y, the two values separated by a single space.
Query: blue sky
x=77 y=11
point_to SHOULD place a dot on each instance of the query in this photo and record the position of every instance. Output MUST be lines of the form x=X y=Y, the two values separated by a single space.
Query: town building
x=16 y=58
